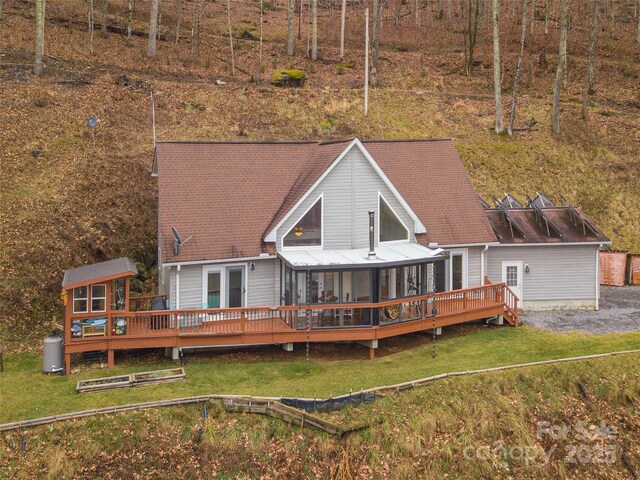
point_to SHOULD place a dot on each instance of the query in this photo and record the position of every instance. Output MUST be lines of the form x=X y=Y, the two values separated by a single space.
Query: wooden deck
x=296 y=324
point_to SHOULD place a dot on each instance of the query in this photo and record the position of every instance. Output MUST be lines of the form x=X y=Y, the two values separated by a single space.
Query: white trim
x=483 y=264
x=557 y=244
x=73 y=299
x=99 y=298
x=464 y=253
x=520 y=264
x=223 y=278
x=419 y=228
x=390 y=242
x=308 y=247
x=178 y=287
x=222 y=260
x=224 y=273
x=597 y=278
x=462 y=245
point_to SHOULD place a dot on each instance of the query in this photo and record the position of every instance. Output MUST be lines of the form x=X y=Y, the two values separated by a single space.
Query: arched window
x=391 y=227
x=308 y=231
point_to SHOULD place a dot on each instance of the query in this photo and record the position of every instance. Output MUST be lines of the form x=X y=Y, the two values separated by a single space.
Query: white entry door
x=512 y=276
x=224 y=287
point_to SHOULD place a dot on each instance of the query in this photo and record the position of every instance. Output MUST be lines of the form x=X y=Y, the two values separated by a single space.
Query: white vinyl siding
x=350 y=191
x=559 y=272
x=262 y=283
x=474 y=262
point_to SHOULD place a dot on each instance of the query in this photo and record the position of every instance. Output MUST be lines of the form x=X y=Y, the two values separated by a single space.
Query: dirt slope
x=65 y=202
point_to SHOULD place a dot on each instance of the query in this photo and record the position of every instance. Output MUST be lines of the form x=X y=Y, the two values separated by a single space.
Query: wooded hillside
x=66 y=202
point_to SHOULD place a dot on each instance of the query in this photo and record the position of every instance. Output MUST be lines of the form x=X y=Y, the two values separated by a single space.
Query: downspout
x=483 y=263
x=598 y=277
x=178 y=287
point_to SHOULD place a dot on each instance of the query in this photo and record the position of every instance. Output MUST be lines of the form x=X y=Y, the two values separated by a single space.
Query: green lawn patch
x=27 y=393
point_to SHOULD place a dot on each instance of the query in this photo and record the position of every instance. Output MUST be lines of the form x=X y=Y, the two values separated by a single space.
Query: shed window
x=391 y=228
x=98 y=298
x=80 y=300
x=308 y=231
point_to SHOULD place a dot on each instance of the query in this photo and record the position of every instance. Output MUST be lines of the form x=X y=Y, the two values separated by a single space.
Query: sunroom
x=392 y=268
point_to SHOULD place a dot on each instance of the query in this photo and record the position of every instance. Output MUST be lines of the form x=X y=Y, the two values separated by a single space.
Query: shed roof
x=99 y=272
x=228 y=195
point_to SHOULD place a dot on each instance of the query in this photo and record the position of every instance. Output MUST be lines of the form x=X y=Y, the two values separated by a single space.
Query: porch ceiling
x=386 y=255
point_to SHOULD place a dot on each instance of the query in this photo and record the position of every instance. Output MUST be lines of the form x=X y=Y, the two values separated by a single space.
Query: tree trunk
x=638 y=22
x=366 y=61
x=593 y=33
x=397 y=17
x=290 y=15
x=562 y=63
x=233 y=60
x=90 y=25
x=40 y=18
x=260 y=50
x=129 y=19
x=470 y=31
x=1 y=5
x=314 y=29
x=343 y=21
x=153 y=28
x=516 y=78
x=377 y=13
x=103 y=18
x=179 y=21
x=497 y=87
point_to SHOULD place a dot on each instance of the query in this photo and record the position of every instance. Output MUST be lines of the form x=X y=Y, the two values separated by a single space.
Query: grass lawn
x=27 y=393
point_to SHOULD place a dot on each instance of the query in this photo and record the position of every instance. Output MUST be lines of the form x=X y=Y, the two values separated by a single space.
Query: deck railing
x=278 y=319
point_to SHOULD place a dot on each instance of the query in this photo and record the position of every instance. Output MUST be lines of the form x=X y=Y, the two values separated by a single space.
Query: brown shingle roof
x=230 y=195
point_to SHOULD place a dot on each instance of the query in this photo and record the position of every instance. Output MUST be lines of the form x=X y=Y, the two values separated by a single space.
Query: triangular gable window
x=308 y=231
x=391 y=227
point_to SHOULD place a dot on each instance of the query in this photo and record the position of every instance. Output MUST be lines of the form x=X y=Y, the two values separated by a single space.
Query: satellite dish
x=178 y=242
x=92 y=121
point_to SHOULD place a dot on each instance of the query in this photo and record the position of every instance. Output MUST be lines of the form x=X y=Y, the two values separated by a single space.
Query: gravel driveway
x=619 y=312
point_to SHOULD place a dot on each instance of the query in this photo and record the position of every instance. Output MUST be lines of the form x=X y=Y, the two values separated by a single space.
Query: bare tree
x=516 y=78
x=497 y=87
x=260 y=50
x=470 y=12
x=562 y=64
x=638 y=21
x=40 y=17
x=179 y=21
x=314 y=29
x=1 y=5
x=90 y=14
x=153 y=29
x=129 y=19
x=366 y=62
x=233 y=60
x=343 y=21
x=375 y=51
x=290 y=19
x=103 y=17
x=593 y=33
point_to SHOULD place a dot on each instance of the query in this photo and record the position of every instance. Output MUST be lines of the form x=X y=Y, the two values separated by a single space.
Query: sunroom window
x=391 y=228
x=308 y=231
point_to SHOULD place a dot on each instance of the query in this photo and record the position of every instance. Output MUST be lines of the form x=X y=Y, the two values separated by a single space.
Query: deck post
x=67 y=364
x=372 y=353
x=110 y=358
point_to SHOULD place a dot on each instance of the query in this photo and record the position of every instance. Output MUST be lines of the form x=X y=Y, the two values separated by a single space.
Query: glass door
x=235 y=287
x=214 y=289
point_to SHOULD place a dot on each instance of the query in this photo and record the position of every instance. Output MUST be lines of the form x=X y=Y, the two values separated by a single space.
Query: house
x=263 y=216
x=345 y=241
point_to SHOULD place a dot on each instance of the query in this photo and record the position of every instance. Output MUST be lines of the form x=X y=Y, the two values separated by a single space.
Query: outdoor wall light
x=252 y=266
